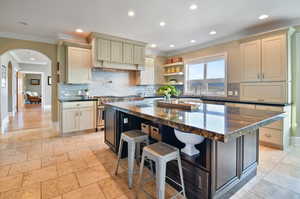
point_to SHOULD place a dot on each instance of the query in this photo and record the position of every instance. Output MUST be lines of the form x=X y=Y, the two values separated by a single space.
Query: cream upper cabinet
x=78 y=65
x=127 y=53
x=274 y=58
x=116 y=52
x=264 y=59
x=139 y=55
x=251 y=60
x=147 y=75
x=103 y=49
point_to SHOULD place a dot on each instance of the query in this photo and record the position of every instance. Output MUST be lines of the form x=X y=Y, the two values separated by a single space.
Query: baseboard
x=295 y=141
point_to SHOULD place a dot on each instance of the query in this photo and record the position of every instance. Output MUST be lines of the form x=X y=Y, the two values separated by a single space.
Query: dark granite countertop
x=228 y=99
x=76 y=99
x=214 y=121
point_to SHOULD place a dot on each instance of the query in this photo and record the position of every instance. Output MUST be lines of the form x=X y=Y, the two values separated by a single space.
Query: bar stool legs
x=133 y=138
x=161 y=154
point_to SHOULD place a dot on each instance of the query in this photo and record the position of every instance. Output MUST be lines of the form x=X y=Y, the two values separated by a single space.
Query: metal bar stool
x=133 y=138
x=161 y=153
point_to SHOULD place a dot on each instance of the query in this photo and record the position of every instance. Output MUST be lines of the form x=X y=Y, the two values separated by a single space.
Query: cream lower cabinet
x=276 y=134
x=77 y=116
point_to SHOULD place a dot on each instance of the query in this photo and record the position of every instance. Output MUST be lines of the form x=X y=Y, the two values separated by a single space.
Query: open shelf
x=174 y=64
x=174 y=74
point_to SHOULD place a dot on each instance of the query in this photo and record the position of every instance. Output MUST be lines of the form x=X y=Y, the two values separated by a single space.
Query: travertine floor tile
x=28 y=192
x=111 y=188
x=4 y=170
x=91 y=175
x=70 y=166
x=55 y=159
x=25 y=166
x=58 y=186
x=269 y=190
x=88 y=192
x=39 y=175
x=10 y=182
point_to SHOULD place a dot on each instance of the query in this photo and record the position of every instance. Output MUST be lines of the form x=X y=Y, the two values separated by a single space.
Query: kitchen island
x=228 y=156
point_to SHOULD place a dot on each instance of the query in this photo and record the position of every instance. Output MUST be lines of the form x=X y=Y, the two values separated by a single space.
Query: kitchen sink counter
x=76 y=99
x=214 y=121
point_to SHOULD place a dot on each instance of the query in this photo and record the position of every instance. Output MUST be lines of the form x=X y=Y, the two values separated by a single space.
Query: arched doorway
x=27 y=96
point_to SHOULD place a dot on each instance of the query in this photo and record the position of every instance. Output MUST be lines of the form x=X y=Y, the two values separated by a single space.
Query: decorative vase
x=168 y=97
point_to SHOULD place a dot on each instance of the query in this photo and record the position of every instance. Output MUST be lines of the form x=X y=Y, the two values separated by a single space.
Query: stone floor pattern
x=38 y=163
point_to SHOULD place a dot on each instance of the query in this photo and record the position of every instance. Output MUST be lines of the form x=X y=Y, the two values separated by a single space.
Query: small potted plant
x=168 y=91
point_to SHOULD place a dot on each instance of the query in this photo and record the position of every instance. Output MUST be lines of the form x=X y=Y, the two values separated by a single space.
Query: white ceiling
x=24 y=56
x=230 y=18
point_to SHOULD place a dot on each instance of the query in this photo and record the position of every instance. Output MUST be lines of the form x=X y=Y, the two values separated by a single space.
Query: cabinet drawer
x=77 y=104
x=264 y=92
x=272 y=136
x=145 y=128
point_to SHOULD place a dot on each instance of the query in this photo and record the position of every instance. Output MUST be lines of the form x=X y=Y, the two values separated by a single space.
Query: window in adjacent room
x=206 y=76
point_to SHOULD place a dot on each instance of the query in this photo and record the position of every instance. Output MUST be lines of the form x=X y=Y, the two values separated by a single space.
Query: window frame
x=204 y=60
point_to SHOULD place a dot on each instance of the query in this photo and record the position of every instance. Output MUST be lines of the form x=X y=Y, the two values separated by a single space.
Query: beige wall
x=49 y=50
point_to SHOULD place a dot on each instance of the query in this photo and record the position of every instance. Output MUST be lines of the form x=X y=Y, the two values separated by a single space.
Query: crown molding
x=237 y=36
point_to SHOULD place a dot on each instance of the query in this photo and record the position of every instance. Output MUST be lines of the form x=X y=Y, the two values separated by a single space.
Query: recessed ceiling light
x=264 y=16
x=32 y=58
x=172 y=46
x=193 y=41
x=193 y=7
x=213 y=32
x=162 y=23
x=79 y=30
x=153 y=45
x=131 y=13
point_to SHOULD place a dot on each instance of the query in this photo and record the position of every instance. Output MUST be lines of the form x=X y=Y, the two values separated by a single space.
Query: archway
x=49 y=50
x=33 y=89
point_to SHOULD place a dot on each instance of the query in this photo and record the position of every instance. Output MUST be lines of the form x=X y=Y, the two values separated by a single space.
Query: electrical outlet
x=236 y=93
x=230 y=93
x=125 y=120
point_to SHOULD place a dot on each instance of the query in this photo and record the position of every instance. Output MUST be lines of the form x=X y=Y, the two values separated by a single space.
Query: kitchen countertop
x=214 y=121
x=76 y=99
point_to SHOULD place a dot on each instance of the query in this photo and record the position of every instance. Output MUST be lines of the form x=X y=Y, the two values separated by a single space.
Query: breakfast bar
x=226 y=158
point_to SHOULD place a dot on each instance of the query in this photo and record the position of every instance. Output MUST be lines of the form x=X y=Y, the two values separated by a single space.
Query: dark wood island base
x=228 y=156
x=217 y=172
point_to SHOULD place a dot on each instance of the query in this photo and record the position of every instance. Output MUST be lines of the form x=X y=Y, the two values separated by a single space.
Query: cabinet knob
x=263 y=76
x=257 y=76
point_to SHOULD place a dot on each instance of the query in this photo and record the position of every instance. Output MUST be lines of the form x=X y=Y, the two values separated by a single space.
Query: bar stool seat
x=133 y=138
x=161 y=153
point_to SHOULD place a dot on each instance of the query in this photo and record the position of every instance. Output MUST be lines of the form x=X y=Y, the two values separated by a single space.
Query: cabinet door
x=127 y=53
x=251 y=60
x=274 y=58
x=116 y=52
x=70 y=120
x=139 y=55
x=79 y=63
x=147 y=75
x=103 y=49
x=87 y=118
x=110 y=129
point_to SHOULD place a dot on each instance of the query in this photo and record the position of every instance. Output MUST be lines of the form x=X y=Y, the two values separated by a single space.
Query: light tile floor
x=38 y=163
